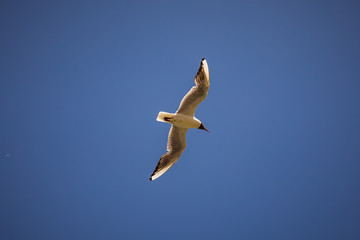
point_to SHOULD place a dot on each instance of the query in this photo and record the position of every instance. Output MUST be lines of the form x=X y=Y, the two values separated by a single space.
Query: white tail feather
x=161 y=116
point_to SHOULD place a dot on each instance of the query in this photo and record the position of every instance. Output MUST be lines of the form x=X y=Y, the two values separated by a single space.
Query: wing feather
x=175 y=147
x=198 y=93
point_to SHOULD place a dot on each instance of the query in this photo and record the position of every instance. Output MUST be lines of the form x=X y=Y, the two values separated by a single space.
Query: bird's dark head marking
x=203 y=127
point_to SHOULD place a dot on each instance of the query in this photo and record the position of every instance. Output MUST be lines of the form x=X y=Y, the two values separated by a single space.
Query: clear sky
x=81 y=84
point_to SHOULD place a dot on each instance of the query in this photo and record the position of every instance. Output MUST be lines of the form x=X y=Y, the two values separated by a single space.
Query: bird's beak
x=203 y=128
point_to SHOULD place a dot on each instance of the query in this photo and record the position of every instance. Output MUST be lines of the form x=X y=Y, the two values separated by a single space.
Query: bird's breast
x=185 y=121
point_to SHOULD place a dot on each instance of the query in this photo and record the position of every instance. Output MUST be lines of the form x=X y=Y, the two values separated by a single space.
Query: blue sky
x=83 y=81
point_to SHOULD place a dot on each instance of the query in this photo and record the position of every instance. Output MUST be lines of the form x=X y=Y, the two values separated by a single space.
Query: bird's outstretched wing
x=198 y=93
x=175 y=147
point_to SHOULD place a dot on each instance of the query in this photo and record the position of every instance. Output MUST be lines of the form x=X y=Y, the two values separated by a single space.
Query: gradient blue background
x=83 y=81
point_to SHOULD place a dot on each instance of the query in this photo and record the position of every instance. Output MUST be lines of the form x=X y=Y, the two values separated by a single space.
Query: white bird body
x=182 y=120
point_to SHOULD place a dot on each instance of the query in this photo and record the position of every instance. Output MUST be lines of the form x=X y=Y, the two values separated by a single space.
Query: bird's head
x=203 y=127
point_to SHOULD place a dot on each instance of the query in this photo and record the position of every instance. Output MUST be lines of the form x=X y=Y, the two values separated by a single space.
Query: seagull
x=182 y=120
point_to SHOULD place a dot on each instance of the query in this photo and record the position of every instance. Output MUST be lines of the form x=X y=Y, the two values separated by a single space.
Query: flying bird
x=182 y=120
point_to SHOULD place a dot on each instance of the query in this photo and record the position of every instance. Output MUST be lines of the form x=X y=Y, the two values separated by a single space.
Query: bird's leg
x=169 y=119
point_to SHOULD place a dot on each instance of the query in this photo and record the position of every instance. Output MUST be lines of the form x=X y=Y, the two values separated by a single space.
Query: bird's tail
x=165 y=117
